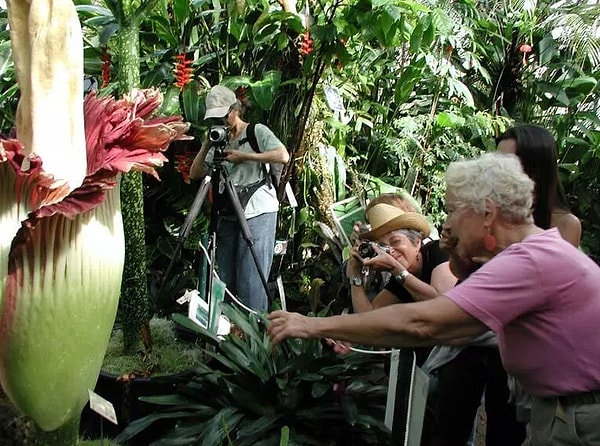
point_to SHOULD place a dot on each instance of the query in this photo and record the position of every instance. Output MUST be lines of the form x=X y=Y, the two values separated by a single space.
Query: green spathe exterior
x=56 y=328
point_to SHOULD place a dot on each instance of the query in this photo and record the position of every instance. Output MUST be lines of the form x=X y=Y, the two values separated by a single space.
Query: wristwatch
x=356 y=281
x=401 y=278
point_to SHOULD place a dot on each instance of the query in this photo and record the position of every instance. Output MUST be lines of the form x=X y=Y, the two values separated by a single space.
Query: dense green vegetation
x=367 y=95
x=418 y=84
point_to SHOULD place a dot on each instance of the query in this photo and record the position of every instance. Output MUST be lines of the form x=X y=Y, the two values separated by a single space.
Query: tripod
x=216 y=177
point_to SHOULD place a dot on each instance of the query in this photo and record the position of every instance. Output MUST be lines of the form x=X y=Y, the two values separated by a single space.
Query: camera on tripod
x=218 y=136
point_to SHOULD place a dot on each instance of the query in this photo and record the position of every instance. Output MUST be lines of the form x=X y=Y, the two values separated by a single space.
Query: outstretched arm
x=433 y=322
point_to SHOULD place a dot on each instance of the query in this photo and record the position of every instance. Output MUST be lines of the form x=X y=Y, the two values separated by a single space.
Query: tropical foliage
x=361 y=92
x=300 y=393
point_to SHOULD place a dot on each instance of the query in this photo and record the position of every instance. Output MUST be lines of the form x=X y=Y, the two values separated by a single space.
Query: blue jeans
x=235 y=264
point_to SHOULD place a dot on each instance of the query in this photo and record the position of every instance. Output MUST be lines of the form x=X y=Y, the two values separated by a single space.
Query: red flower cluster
x=105 y=57
x=241 y=93
x=183 y=71
x=183 y=164
x=305 y=44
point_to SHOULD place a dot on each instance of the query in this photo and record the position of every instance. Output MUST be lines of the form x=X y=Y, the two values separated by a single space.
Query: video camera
x=218 y=135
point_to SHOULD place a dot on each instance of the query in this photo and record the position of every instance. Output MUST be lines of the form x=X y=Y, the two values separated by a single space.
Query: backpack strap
x=251 y=139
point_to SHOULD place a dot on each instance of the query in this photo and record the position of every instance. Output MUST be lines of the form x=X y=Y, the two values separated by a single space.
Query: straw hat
x=385 y=218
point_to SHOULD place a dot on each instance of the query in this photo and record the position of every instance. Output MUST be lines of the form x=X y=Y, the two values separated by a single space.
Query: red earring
x=489 y=241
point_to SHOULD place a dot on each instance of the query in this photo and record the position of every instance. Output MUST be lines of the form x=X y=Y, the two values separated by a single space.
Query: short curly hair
x=496 y=176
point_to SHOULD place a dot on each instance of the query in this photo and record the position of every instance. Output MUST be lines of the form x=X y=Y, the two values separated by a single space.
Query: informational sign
x=102 y=407
x=199 y=312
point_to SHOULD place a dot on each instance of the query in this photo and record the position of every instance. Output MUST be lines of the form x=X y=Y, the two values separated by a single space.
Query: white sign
x=102 y=407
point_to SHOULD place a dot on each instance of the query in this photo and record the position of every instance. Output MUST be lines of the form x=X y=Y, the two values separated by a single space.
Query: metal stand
x=407 y=397
x=216 y=176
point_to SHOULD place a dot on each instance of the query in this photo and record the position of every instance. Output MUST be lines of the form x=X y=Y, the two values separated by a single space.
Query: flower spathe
x=61 y=255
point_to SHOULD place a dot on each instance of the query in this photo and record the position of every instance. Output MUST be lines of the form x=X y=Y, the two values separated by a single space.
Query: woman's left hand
x=288 y=325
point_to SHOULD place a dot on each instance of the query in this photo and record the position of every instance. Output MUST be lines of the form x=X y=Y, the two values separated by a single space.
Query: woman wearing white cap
x=245 y=167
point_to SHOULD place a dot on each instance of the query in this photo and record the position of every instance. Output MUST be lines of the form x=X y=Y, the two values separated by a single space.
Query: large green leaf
x=137 y=426
x=263 y=91
x=582 y=85
x=181 y=10
x=5 y=57
x=203 y=333
x=192 y=102
x=218 y=429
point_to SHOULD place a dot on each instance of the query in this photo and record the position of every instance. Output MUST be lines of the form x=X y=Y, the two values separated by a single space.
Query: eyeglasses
x=228 y=112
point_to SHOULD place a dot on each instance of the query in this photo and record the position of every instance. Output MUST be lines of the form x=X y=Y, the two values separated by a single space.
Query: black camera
x=366 y=250
x=218 y=134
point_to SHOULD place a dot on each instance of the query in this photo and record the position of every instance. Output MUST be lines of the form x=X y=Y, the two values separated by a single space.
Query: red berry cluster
x=183 y=71
x=305 y=44
x=105 y=57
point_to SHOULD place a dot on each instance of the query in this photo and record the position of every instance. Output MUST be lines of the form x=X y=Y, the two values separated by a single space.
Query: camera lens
x=366 y=250
x=217 y=134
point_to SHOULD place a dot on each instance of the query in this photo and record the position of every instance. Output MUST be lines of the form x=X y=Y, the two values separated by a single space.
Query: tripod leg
x=241 y=219
x=186 y=227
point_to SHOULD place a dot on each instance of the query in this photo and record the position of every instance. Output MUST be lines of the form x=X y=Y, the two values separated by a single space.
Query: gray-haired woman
x=538 y=293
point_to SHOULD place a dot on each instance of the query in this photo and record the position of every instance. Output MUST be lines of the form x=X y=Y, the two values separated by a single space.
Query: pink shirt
x=542 y=298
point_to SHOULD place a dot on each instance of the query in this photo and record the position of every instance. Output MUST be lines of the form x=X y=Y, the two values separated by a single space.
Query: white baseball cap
x=218 y=102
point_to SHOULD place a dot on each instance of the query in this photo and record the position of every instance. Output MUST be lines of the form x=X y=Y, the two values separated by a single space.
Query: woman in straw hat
x=537 y=292
x=419 y=270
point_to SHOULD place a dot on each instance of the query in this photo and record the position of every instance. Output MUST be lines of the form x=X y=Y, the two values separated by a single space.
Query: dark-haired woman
x=536 y=148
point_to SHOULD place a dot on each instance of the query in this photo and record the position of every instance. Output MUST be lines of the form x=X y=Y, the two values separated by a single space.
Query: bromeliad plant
x=62 y=244
x=300 y=393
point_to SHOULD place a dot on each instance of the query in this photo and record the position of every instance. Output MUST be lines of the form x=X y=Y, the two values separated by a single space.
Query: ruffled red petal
x=121 y=135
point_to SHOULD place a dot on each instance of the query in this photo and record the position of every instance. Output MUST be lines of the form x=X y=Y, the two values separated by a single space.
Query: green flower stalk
x=61 y=237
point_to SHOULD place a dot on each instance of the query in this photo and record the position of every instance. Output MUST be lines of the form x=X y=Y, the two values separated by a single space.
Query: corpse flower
x=61 y=238
x=61 y=271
